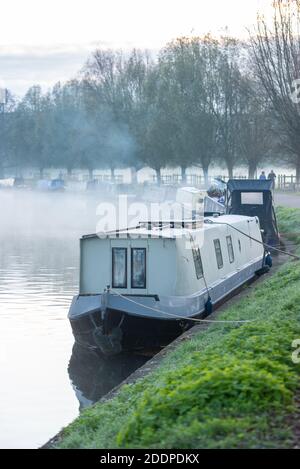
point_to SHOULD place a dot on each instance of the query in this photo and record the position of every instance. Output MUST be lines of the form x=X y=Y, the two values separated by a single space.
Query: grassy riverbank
x=232 y=386
x=289 y=223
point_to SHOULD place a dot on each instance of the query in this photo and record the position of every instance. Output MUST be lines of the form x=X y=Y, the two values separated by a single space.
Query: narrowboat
x=141 y=287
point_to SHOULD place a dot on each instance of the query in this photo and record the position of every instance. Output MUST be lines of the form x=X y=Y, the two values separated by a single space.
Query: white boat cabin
x=172 y=259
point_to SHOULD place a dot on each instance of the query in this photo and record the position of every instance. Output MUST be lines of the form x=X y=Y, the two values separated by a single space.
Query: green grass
x=289 y=222
x=231 y=386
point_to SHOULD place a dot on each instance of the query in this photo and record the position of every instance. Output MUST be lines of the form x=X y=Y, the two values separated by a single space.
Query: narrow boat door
x=129 y=265
x=139 y=252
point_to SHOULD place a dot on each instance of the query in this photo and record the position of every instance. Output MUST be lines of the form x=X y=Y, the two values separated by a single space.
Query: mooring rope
x=211 y=222
x=177 y=316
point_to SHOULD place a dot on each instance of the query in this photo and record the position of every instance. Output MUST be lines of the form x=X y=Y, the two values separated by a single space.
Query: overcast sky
x=43 y=41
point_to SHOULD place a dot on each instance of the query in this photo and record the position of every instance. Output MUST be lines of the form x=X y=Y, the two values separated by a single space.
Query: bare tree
x=224 y=95
x=255 y=126
x=276 y=56
x=183 y=68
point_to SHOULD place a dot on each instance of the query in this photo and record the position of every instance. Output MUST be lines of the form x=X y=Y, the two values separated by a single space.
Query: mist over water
x=39 y=260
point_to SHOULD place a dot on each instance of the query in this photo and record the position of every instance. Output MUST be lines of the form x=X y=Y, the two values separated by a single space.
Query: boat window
x=230 y=249
x=197 y=262
x=218 y=251
x=252 y=198
x=240 y=246
x=119 y=267
x=138 y=268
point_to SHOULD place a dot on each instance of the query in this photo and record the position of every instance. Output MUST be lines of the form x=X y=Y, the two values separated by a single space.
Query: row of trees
x=201 y=101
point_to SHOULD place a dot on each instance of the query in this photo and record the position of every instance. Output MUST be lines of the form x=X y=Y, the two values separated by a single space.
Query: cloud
x=23 y=66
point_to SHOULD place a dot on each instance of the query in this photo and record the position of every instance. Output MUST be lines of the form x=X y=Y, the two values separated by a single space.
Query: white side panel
x=245 y=251
x=170 y=268
x=95 y=261
x=162 y=267
x=96 y=265
x=187 y=282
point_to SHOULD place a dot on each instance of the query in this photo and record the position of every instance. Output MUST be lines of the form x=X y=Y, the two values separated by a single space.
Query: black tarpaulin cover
x=251 y=185
x=264 y=211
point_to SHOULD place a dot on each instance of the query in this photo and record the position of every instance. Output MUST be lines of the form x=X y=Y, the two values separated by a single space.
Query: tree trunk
x=112 y=175
x=133 y=175
x=230 y=170
x=205 y=172
x=158 y=176
x=91 y=175
x=252 y=167
x=69 y=172
x=298 y=170
x=183 y=174
x=41 y=173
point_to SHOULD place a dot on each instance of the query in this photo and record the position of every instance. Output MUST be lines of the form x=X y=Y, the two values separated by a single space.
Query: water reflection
x=93 y=376
x=39 y=258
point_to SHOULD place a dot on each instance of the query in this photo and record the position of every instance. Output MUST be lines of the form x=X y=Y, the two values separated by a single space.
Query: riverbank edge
x=154 y=363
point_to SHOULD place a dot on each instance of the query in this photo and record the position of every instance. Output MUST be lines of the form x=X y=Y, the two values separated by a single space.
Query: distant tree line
x=202 y=100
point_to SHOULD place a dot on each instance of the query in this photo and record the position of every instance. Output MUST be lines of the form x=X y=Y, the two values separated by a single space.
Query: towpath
x=287 y=200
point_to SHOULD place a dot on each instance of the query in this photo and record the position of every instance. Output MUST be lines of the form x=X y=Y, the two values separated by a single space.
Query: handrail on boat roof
x=150 y=224
x=180 y=223
x=179 y=220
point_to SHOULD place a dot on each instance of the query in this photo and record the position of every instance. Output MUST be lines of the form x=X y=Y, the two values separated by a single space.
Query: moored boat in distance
x=141 y=287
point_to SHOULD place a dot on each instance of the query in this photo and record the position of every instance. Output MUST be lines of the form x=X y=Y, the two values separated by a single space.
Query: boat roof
x=171 y=229
x=192 y=190
x=249 y=185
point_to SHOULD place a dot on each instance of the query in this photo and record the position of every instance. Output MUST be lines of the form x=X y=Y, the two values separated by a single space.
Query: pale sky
x=43 y=41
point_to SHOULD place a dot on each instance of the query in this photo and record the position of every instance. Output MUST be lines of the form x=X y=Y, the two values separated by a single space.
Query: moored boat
x=141 y=287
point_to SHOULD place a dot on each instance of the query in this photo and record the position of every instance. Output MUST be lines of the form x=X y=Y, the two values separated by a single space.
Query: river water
x=44 y=380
